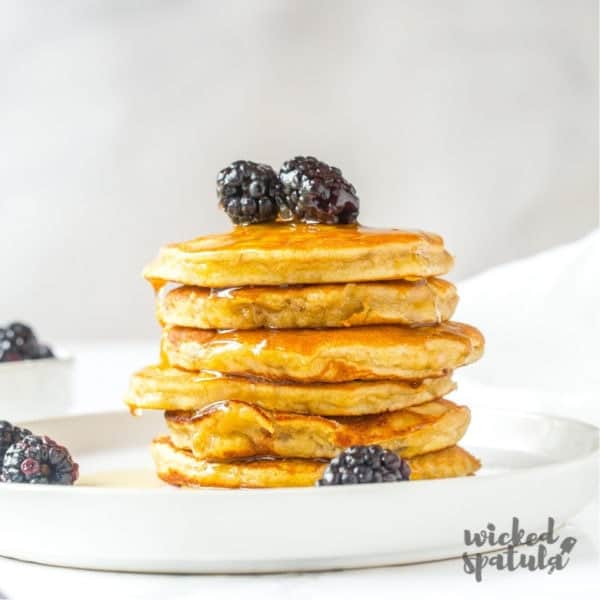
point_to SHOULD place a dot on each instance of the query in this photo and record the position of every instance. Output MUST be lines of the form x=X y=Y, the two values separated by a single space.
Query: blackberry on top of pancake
x=306 y=189
x=249 y=192
x=316 y=192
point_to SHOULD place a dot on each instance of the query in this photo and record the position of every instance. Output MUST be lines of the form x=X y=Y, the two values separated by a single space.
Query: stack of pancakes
x=285 y=344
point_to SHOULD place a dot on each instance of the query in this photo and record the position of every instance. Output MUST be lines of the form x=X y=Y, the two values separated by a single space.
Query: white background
x=476 y=119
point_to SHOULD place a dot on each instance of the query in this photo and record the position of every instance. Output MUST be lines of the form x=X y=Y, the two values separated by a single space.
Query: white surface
x=476 y=119
x=534 y=467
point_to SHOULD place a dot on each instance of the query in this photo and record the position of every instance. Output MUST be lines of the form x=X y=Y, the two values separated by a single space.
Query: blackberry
x=249 y=192
x=9 y=434
x=44 y=351
x=316 y=192
x=365 y=464
x=19 y=342
x=23 y=334
x=38 y=459
x=8 y=351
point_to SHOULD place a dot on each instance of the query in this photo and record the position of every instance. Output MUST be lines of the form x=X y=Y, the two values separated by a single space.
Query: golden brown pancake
x=326 y=355
x=283 y=253
x=181 y=468
x=426 y=301
x=231 y=430
x=175 y=389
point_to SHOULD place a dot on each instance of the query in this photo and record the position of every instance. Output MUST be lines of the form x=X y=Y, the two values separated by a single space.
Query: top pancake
x=284 y=253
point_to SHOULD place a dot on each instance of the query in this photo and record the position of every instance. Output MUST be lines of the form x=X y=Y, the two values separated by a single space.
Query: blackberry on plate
x=249 y=192
x=9 y=434
x=19 y=342
x=365 y=464
x=38 y=459
x=317 y=192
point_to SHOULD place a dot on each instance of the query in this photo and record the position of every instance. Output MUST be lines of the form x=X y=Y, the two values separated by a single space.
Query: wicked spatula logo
x=517 y=549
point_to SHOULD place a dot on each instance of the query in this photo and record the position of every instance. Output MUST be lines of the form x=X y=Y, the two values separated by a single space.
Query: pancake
x=326 y=355
x=174 y=389
x=181 y=468
x=283 y=253
x=231 y=430
x=426 y=301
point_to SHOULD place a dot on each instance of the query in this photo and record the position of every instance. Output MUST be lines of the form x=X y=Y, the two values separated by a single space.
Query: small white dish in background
x=36 y=389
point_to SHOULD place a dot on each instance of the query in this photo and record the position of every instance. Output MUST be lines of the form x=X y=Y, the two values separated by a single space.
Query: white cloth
x=541 y=318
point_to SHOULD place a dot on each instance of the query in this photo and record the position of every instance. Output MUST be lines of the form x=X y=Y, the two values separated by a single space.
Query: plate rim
x=53 y=489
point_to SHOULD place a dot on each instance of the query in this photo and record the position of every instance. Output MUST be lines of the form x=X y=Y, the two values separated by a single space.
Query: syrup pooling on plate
x=121 y=478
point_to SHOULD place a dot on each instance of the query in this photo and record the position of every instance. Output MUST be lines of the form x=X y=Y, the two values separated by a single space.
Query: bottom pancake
x=181 y=468
x=231 y=430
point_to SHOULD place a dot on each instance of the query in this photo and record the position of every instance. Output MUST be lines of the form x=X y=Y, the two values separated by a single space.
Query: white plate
x=121 y=518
